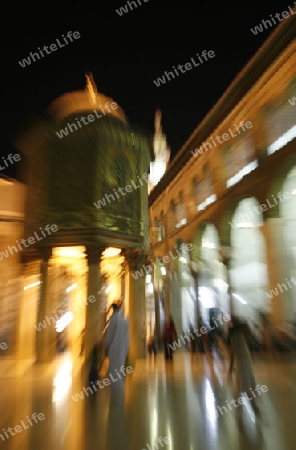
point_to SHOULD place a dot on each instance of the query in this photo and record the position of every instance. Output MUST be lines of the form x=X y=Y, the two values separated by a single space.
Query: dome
x=87 y=100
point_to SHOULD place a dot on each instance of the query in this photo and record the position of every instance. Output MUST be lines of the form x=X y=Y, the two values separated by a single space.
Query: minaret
x=161 y=151
x=157 y=122
x=91 y=87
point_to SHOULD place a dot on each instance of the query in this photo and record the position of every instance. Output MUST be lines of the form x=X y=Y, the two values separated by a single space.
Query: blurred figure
x=169 y=335
x=82 y=340
x=193 y=345
x=240 y=360
x=151 y=342
x=93 y=372
x=117 y=340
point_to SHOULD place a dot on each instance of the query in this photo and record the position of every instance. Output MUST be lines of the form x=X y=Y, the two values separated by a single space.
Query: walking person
x=117 y=340
x=169 y=335
x=151 y=344
x=241 y=361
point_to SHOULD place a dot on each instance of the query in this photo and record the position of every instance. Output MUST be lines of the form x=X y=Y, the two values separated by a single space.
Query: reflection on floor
x=161 y=405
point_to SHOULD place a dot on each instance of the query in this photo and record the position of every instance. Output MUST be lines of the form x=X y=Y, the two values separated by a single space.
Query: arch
x=196 y=241
x=162 y=224
x=248 y=265
x=287 y=212
x=180 y=210
x=227 y=221
x=155 y=230
x=171 y=217
x=277 y=186
x=212 y=275
x=279 y=121
x=196 y=190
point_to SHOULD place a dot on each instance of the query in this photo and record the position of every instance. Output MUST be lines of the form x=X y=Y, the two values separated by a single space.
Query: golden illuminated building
x=230 y=193
x=215 y=234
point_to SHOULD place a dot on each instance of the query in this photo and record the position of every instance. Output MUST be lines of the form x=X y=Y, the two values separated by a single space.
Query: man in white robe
x=117 y=342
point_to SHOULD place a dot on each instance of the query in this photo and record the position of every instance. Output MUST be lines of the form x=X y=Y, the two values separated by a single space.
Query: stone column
x=168 y=279
x=273 y=231
x=174 y=303
x=226 y=262
x=95 y=310
x=25 y=340
x=45 y=337
x=157 y=301
x=136 y=297
x=197 y=315
x=225 y=252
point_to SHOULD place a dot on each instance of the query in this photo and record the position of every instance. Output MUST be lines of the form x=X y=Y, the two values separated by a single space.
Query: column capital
x=94 y=253
x=135 y=258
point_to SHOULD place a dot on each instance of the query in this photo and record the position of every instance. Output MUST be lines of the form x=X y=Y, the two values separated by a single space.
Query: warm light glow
x=5 y=181
x=62 y=381
x=282 y=141
x=163 y=271
x=182 y=259
x=148 y=278
x=111 y=251
x=69 y=252
x=64 y=321
x=29 y=286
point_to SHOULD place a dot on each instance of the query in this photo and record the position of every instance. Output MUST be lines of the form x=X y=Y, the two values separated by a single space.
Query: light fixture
x=245 y=225
x=210 y=245
x=163 y=271
x=211 y=199
x=240 y=299
x=109 y=288
x=64 y=321
x=243 y=172
x=70 y=288
x=69 y=252
x=29 y=286
x=282 y=141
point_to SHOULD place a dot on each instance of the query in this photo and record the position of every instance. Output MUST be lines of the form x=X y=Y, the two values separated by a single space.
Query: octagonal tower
x=87 y=173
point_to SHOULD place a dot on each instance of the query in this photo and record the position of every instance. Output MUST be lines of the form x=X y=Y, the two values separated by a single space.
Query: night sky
x=126 y=53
